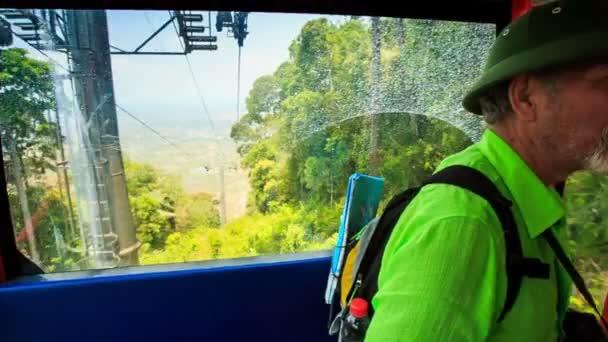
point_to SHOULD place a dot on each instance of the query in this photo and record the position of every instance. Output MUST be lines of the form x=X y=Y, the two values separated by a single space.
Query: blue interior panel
x=280 y=301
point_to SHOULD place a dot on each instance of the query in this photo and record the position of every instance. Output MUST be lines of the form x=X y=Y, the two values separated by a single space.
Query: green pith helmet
x=556 y=33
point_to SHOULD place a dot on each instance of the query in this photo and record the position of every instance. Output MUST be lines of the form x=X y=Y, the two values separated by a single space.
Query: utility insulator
x=193 y=29
x=6 y=34
x=239 y=27
x=192 y=17
x=207 y=47
x=27 y=26
x=223 y=19
x=205 y=39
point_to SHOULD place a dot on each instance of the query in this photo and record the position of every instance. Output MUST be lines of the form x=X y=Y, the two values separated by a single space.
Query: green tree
x=152 y=196
x=26 y=95
x=164 y=213
x=307 y=129
x=588 y=241
x=322 y=134
x=196 y=211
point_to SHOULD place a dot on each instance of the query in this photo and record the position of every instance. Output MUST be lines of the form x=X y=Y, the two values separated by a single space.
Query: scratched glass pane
x=160 y=137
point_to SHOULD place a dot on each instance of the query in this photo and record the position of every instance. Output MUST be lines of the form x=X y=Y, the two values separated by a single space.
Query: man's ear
x=522 y=95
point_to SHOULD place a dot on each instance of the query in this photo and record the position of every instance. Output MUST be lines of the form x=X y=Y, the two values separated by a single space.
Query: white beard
x=598 y=160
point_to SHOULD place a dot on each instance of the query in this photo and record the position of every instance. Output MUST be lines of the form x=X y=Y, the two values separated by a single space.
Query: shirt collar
x=540 y=205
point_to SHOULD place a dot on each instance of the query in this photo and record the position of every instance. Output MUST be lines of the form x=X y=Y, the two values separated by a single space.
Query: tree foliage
x=28 y=141
x=315 y=116
x=160 y=206
x=587 y=217
x=307 y=129
x=26 y=94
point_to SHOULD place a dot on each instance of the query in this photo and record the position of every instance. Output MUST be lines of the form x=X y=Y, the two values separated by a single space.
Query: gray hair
x=495 y=104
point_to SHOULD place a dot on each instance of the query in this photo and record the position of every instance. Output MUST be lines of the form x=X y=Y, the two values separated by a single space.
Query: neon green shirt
x=443 y=273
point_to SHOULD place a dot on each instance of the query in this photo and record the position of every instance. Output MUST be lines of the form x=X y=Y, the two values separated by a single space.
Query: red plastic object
x=359 y=307
x=520 y=7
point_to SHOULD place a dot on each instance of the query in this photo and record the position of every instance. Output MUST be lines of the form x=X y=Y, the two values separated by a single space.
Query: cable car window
x=152 y=137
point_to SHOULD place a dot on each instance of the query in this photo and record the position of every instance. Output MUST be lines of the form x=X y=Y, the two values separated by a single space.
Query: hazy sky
x=163 y=84
x=160 y=89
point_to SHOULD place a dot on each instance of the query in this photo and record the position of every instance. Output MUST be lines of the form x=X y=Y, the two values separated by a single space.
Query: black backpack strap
x=369 y=267
x=573 y=273
x=517 y=266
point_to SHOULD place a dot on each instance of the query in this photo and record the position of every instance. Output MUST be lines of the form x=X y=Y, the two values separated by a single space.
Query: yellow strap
x=348 y=276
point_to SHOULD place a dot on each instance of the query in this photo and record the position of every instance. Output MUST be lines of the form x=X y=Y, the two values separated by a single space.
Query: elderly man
x=544 y=96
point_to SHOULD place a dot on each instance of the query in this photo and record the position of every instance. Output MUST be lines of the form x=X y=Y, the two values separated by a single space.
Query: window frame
x=497 y=12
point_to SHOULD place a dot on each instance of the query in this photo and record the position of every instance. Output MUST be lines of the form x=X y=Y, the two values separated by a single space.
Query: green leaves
x=286 y=230
x=26 y=94
x=307 y=129
x=160 y=207
x=319 y=103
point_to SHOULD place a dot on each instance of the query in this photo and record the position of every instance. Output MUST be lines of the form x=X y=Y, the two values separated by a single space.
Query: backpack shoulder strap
x=366 y=284
x=517 y=266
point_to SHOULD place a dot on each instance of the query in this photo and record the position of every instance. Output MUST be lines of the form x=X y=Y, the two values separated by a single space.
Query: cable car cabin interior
x=178 y=171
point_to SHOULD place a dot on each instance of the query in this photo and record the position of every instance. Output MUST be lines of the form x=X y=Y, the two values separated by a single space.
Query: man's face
x=575 y=114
